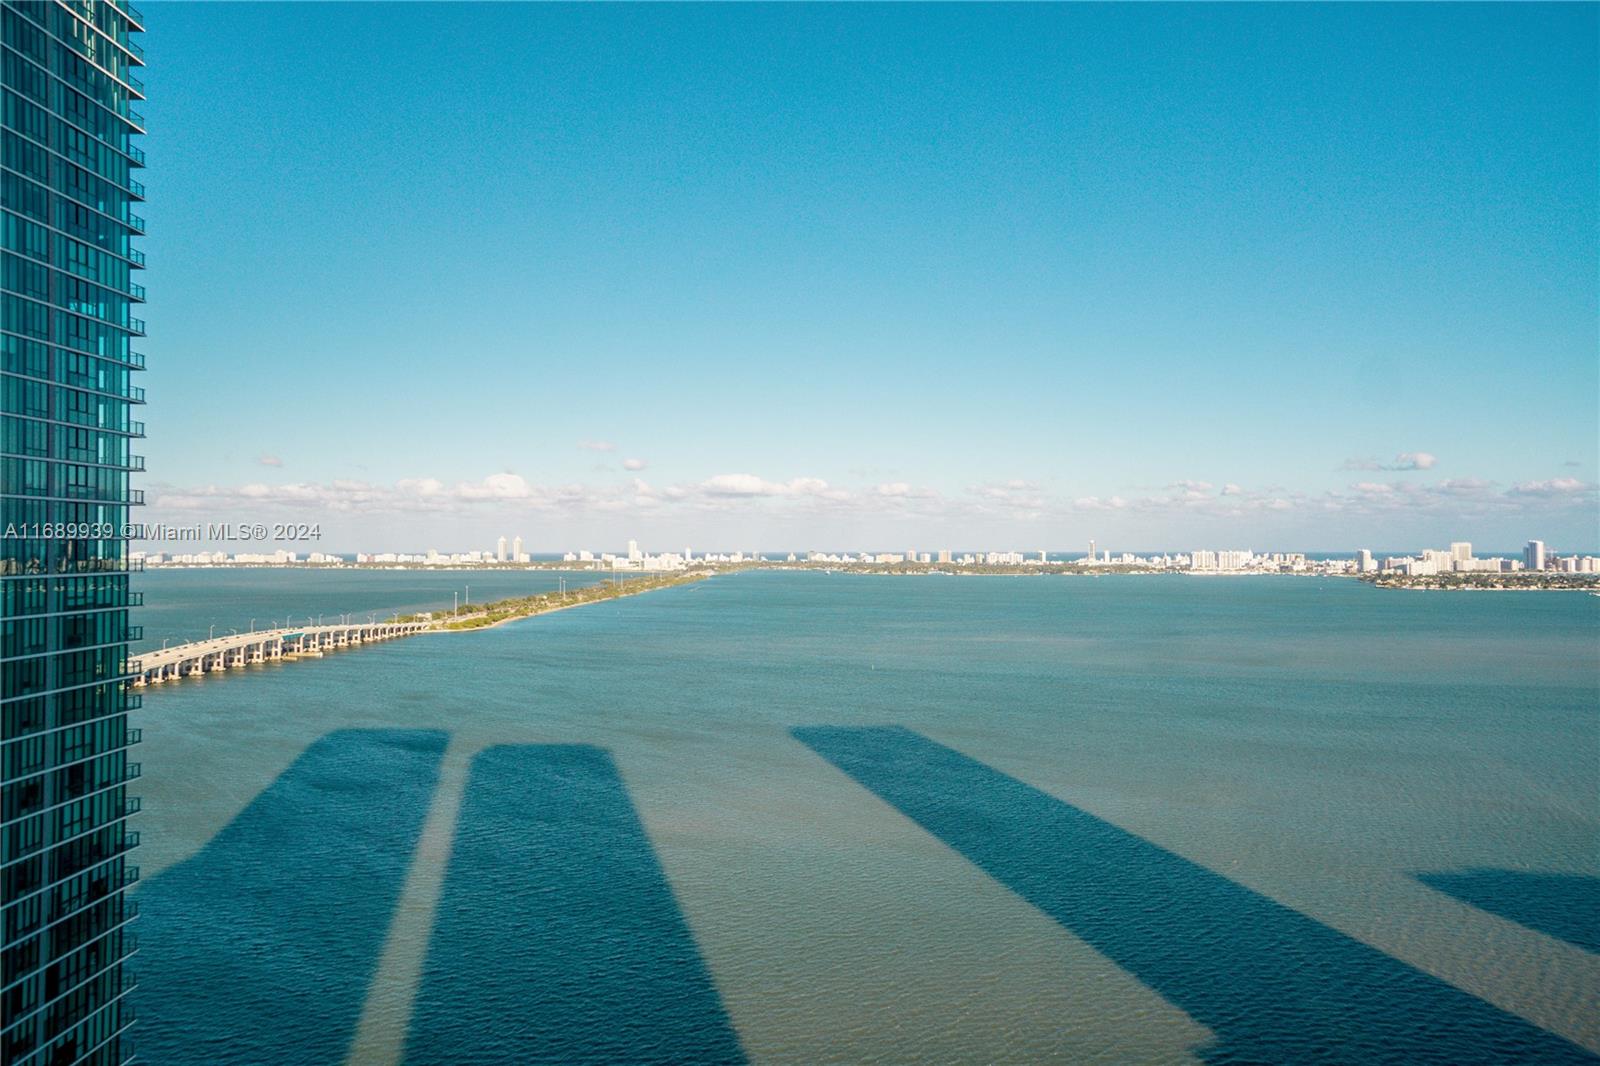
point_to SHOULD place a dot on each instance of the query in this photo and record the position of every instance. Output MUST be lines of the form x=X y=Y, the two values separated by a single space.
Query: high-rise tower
x=66 y=426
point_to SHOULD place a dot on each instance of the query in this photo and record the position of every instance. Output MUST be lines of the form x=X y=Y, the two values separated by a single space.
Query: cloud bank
x=1177 y=506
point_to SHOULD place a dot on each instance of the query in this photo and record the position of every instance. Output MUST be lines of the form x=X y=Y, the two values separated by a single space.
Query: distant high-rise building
x=944 y=555
x=634 y=555
x=1439 y=562
x=516 y=550
x=1461 y=551
x=500 y=550
x=1091 y=551
x=66 y=363
x=1365 y=564
x=1533 y=555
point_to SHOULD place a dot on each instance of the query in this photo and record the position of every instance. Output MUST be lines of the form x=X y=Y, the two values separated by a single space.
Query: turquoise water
x=1122 y=820
x=184 y=604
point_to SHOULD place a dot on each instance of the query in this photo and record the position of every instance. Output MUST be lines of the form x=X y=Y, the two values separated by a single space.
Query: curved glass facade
x=67 y=329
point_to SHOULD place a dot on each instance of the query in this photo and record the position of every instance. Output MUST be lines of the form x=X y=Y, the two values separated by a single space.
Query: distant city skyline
x=174 y=544
x=1305 y=277
x=1452 y=563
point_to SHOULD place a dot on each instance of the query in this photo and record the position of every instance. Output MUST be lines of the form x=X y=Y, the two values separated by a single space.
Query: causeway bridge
x=202 y=657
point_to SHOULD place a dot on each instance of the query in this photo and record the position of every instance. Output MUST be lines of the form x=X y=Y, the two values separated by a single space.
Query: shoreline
x=256 y=648
x=1535 y=581
x=585 y=597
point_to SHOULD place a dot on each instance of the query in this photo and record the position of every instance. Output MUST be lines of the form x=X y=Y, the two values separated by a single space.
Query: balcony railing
x=131 y=806
x=130 y=876
x=136 y=153
x=136 y=325
x=136 y=290
x=138 y=86
x=136 y=118
x=136 y=497
x=134 y=736
x=135 y=633
x=135 y=599
x=136 y=463
x=133 y=13
x=135 y=49
x=136 y=393
x=136 y=360
x=136 y=256
x=134 y=772
x=135 y=428
x=136 y=222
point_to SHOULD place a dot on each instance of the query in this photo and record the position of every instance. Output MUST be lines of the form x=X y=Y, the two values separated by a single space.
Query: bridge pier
x=259 y=646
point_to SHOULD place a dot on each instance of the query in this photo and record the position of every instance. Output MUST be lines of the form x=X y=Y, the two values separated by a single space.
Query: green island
x=1515 y=581
x=510 y=610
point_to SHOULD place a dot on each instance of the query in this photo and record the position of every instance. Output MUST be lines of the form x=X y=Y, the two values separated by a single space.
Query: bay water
x=818 y=818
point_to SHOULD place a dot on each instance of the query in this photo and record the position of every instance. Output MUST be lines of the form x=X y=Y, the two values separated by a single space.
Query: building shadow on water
x=557 y=938
x=1273 y=985
x=1565 y=906
x=259 y=949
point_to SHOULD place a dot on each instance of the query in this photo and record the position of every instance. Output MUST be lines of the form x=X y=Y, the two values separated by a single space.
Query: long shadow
x=1565 y=906
x=1273 y=985
x=558 y=939
x=259 y=949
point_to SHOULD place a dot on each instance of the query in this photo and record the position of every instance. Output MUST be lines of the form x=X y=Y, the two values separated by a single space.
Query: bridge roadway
x=263 y=645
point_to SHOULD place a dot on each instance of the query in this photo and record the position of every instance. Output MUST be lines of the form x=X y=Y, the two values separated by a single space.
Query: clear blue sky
x=1278 y=277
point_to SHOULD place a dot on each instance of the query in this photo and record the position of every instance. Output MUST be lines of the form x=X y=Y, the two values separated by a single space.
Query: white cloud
x=597 y=446
x=1561 y=486
x=745 y=485
x=1463 y=486
x=1095 y=503
x=266 y=459
x=496 y=487
x=633 y=464
x=1403 y=461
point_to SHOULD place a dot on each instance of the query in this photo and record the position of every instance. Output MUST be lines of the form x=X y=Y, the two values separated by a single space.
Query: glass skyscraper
x=66 y=428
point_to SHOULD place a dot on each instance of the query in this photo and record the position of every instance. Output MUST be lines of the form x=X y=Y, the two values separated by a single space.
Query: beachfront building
x=66 y=410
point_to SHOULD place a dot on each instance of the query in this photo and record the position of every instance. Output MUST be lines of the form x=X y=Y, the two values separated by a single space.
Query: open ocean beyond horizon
x=826 y=818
